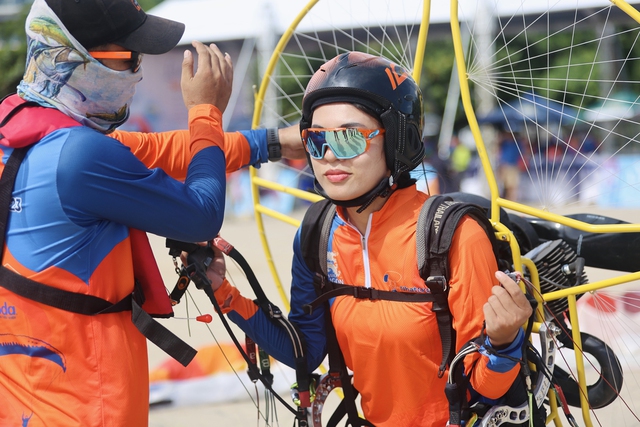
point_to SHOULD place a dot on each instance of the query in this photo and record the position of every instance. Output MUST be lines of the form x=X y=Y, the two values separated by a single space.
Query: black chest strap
x=332 y=290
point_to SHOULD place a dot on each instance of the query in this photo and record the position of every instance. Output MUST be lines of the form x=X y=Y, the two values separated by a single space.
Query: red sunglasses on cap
x=126 y=55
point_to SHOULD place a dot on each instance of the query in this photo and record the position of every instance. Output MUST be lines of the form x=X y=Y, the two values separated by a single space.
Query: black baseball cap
x=123 y=22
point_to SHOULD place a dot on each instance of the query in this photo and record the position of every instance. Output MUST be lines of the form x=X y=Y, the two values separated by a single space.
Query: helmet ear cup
x=403 y=146
x=414 y=150
x=389 y=121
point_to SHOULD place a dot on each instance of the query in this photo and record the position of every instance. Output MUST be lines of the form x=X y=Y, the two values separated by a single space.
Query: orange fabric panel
x=205 y=128
x=75 y=354
x=169 y=150
x=210 y=360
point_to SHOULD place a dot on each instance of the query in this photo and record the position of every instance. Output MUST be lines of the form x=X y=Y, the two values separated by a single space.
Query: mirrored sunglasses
x=345 y=143
x=125 y=55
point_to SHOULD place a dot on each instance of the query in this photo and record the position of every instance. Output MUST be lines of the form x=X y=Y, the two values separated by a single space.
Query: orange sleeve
x=472 y=266
x=228 y=298
x=171 y=152
x=205 y=128
x=236 y=150
x=167 y=150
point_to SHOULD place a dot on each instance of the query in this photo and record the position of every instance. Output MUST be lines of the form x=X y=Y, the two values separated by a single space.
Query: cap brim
x=155 y=36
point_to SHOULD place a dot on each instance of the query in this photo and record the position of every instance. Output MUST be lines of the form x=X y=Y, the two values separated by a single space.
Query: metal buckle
x=361 y=292
x=441 y=282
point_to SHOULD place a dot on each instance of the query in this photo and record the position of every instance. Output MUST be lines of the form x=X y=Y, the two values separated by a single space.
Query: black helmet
x=388 y=92
x=384 y=88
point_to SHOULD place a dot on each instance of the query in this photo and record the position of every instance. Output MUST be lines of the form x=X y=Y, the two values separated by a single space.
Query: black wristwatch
x=273 y=145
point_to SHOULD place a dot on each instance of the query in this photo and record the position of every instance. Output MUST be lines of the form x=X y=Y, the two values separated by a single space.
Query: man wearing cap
x=71 y=348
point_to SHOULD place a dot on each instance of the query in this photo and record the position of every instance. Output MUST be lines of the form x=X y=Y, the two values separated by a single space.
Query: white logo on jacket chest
x=16 y=204
x=333 y=271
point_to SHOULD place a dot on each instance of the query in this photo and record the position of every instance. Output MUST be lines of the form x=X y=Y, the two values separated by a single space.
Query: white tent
x=259 y=23
x=211 y=20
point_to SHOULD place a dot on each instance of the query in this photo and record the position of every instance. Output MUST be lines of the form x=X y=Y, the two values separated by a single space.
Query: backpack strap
x=314 y=234
x=437 y=223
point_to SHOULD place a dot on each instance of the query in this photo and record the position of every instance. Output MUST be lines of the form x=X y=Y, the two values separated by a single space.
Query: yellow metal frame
x=502 y=232
x=497 y=202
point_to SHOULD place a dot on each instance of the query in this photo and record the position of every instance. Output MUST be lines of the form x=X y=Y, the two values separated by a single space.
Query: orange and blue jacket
x=77 y=195
x=393 y=348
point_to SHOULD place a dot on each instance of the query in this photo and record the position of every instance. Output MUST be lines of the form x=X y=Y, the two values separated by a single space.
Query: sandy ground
x=243 y=234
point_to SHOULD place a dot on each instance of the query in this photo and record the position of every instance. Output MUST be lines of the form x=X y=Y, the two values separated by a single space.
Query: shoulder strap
x=314 y=234
x=437 y=223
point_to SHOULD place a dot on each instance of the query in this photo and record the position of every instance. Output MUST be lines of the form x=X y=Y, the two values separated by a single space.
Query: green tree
x=13 y=52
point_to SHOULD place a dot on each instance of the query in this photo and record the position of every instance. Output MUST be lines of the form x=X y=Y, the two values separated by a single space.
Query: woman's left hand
x=506 y=311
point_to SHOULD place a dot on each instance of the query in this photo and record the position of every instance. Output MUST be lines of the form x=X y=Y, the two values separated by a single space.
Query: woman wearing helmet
x=361 y=127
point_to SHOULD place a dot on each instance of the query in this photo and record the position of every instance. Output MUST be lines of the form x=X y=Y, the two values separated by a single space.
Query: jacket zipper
x=365 y=254
x=365 y=251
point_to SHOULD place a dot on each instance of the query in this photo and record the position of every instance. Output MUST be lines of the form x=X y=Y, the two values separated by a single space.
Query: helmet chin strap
x=383 y=189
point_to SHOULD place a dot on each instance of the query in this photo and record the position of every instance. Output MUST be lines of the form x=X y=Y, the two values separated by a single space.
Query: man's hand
x=211 y=84
x=505 y=311
x=291 y=142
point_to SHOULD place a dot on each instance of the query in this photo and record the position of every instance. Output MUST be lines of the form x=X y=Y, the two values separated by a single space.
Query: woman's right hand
x=217 y=269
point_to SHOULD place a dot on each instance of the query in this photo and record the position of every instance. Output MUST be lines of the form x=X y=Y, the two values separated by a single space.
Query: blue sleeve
x=274 y=339
x=257 y=140
x=513 y=351
x=99 y=179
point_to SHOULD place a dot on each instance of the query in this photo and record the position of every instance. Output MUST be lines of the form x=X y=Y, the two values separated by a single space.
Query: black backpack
x=437 y=222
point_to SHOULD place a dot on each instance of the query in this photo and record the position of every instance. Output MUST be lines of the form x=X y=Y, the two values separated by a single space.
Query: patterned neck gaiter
x=61 y=74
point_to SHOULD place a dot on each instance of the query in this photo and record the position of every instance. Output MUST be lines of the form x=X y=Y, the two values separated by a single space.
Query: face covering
x=61 y=74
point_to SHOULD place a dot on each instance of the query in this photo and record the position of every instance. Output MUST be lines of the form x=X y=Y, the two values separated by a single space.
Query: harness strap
x=361 y=292
x=434 y=267
x=437 y=223
x=7 y=181
x=457 y=386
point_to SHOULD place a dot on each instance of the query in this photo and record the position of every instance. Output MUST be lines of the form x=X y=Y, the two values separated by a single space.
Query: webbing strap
x=330 y=212
x=433 y=267
x=7 y=182
x=338 y=365
x=437 y=224
x=64 y=300
x=361 y=292
x=161 y=336
x=314 y=234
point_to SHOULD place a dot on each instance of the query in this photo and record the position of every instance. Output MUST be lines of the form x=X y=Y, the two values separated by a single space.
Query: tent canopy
x=209 y=21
